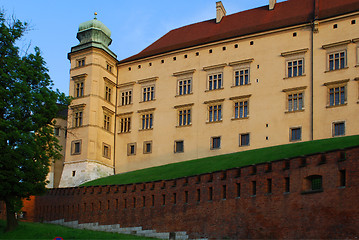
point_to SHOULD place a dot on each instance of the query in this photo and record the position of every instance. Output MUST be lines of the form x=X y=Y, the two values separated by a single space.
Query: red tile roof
x=285 y=14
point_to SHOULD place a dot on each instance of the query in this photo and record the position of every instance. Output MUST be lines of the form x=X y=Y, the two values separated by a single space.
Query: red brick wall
x=300 y=213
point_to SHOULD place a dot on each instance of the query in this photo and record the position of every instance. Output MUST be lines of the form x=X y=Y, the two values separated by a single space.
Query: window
x=295 y=102
x=131 y=149
x=342 y=178
x=215 y=81
x=241 y=77
x=126 y=97
x=184 y=117
x=215 y=113
x=338 y=129
x=254 y=188
x=106 y=151
x=147 y=147
x=76 y=147
x=224 y=192
x=286 y=184
x=315 y=182
x=179 y=146
x=294 y=62
x=79 y=89
x=295 y=134
x=146 y=121
x=244 y=139
x=295 y=68
x=241 y=109
x=125 y=124
x=108 y=93
x=106 y=122
x=78 y=119
x=148 y=93
x=57 y=131
x=184 y=86
x=337 y=60
x=269 y=186
x=81 y=62
x=215 y=142
x=109 y=67
x=337 y=96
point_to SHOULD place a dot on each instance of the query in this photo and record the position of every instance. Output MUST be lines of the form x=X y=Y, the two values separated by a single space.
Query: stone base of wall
x=77 y=173
x=116 y=228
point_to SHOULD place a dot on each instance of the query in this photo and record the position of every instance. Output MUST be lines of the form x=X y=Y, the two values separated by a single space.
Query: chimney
x=221 y=12
x=272 y=4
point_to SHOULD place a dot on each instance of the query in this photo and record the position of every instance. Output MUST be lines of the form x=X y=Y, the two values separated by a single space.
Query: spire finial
x=95 y=15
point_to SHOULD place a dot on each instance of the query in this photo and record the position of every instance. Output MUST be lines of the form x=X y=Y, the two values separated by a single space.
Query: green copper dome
x=95 y=24
x=93 y=33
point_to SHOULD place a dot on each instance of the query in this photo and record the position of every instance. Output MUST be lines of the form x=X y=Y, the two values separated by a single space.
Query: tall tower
x=91 y=115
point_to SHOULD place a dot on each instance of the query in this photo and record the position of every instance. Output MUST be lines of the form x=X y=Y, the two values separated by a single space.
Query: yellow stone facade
x=284 y=85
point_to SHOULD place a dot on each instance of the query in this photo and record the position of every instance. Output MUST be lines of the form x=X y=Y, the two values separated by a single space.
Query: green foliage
x=222 y=162
x=48 y=231
x=28 y=106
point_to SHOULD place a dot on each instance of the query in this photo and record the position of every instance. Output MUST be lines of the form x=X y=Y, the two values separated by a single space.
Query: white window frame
x=79 y=88
x=148 y=93
x=126 y=97
x=184 y=116
x=292 y=57
x=106 y=153
x=78 y=118
x=108 y=93
x=125 y=124
x=129 y=145
x=145 y=143
x=146 y=121
x=336 y=48
x=295 y=101
x=238 y=66
x=291 y=134
x=73 y=147
x=339 y=59
x=333 y=128
x=212 y=142
x=241 y=144
x=297 y=94
x=215 y=78
x=81 y=62
x=241 y=106
x=106 y=121
x=184 y=80
x=336 y=89
x=215 y=112
x=184 y=86
x=176 y=150
x=297 y=66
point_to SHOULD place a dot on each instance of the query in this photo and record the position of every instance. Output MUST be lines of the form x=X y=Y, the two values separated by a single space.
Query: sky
x=134 y=24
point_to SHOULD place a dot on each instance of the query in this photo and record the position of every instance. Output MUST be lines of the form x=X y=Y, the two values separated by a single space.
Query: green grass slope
x=27 y=230
x=222 y=162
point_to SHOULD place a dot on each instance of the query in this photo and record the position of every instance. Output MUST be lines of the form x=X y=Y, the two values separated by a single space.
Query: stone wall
x=271 y=200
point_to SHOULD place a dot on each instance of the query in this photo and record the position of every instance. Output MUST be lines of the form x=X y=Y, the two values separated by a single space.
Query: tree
x=28 y=106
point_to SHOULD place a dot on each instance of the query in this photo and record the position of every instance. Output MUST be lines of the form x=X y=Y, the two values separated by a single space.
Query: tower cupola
x=94 y=33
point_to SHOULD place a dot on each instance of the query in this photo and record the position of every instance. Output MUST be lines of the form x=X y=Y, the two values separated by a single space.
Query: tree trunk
x=11 y=221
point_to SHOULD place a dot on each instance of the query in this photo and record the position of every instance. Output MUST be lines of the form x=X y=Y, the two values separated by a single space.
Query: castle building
x=277 y=74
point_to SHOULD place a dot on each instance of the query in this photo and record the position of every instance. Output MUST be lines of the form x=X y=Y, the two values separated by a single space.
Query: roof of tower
x=285 y=14
x=95 y=24
x=94 y=33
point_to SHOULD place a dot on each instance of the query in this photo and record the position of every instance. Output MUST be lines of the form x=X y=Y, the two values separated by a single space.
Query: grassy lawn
x=222 y=162
x=39 y=231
